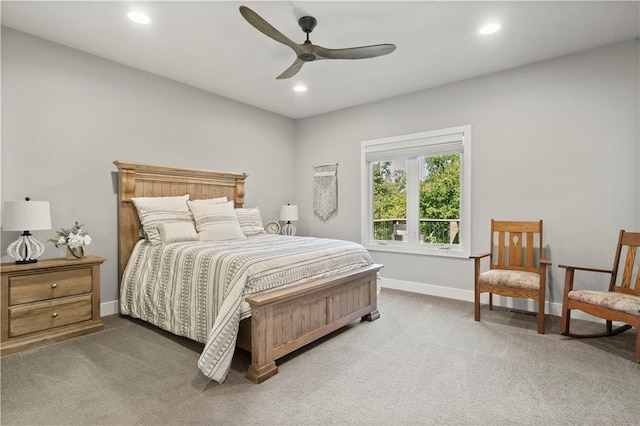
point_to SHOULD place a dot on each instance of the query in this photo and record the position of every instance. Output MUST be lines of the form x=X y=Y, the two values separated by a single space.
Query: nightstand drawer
x=49 y=285
x=46 y=315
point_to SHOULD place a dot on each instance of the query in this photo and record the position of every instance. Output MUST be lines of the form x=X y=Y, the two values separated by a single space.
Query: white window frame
x=412 y=146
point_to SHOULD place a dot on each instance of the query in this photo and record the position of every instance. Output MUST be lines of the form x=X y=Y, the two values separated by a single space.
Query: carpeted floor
x=425 y=361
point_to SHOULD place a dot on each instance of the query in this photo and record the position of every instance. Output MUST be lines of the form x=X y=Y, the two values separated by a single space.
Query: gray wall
x=67 y=115
x=557 y=140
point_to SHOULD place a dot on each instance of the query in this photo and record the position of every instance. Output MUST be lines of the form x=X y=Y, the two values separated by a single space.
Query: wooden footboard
x=284 y=320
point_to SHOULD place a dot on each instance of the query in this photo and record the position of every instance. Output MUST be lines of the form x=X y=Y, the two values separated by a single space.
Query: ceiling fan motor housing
x=307 y=23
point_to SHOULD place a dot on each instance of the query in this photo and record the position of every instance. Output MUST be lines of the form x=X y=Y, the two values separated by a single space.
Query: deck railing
x=441 y=231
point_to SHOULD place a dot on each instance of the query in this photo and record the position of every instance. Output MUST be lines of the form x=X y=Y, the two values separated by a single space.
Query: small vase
x=74 y=253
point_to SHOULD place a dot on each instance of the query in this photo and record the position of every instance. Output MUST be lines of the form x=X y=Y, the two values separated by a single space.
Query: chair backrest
x=516 y=245
x=625 y=258
x=399 y=231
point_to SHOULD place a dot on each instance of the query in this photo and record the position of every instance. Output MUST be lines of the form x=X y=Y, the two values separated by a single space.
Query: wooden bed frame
x=282 y=320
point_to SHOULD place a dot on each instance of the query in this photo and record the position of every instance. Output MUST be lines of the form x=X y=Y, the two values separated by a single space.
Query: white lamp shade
x=288 y=212
x=26 y=216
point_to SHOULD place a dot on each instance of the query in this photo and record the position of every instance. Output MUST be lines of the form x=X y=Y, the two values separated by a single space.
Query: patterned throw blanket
x=197 y=289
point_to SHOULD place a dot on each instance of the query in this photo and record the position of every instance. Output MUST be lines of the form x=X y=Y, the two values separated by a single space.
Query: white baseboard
x=467 y=296
x=108 y=308
x=111 y=308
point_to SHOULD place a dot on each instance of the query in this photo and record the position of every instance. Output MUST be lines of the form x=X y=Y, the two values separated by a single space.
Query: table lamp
x=288 y=213
x=26 y=216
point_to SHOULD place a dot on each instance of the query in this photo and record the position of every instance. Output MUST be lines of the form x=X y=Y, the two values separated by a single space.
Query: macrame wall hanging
x=325 y=190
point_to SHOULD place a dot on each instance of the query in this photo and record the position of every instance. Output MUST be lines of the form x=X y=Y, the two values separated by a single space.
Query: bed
x=272 y=322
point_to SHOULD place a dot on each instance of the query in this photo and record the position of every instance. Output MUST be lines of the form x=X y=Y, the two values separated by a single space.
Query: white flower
x=73 y=237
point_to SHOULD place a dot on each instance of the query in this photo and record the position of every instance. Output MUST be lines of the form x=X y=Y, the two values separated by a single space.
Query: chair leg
x=476 y=303
x=491 y=301
x=638 y=347
x=541 y=317
x=609 y=326
x=564 y=321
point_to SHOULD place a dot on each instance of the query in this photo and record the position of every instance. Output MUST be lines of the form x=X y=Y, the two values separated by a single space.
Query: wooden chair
x=399 y=231
x=620 y=303
x=517 y=269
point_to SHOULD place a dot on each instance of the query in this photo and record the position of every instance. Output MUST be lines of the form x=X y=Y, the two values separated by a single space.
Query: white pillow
x=145 y=204
x=213 y=200
x=216 y=222
x=175 y=232
x=152 y=219
x=250 y=221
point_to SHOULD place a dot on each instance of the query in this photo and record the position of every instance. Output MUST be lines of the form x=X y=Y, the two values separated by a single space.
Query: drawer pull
x=54 y=285
x=55 y=314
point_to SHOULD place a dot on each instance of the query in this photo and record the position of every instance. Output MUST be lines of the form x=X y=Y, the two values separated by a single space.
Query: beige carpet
x=425 y=361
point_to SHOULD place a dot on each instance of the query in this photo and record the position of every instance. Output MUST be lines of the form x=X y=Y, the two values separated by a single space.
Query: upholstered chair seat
x=512 y=279
x=615 y=301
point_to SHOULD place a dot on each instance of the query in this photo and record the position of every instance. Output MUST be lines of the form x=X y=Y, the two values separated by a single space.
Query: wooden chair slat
x=530 y=249
x=515 y=248
x=628 y=267
x=500 y=262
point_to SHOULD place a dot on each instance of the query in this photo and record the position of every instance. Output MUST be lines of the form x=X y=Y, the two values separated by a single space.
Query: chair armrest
x=476 y=265
x=479 y=256
x=543 y=263
x=569 y=274
x=582 y=268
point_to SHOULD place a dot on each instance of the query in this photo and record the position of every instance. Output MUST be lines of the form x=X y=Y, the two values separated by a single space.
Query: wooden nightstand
x=48 y=301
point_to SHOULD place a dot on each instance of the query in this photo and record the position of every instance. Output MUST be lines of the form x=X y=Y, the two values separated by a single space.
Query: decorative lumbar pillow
x=176 y=232
x=152 y=219
x=250 y=221
x=216 y=222
x=155 y=210
x=213 y=200
x=145 y=204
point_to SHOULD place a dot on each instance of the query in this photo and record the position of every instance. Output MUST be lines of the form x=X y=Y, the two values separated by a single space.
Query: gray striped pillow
x=216 y=222
x=175 y=232
x=151 y=220
x=250 y=221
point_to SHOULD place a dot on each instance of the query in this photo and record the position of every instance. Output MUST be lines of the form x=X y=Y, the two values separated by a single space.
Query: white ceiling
x=208 y=45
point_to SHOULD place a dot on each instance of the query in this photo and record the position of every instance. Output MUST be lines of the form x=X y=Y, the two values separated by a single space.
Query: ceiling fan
x=308 y=51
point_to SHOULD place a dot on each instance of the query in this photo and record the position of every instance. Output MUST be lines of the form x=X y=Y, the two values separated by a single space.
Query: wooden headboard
x=147 y=180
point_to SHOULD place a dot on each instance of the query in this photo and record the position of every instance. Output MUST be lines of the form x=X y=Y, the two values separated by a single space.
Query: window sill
x=421 y=250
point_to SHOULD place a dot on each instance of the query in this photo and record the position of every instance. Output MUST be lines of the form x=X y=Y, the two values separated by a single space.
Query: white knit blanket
x=197 y=289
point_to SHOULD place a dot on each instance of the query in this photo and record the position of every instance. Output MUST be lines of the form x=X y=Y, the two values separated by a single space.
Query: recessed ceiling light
x=300 y=88
x=139 y=17
x=489 y=28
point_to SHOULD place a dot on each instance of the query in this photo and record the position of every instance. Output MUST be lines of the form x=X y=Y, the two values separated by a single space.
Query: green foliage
x=389 y=188
x=439 y=196
x=440 y=189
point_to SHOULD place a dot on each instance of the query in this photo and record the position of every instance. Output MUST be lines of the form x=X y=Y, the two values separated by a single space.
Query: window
x=416 y=193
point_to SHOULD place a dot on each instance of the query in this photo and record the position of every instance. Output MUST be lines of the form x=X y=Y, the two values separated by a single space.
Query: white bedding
x=197 y=289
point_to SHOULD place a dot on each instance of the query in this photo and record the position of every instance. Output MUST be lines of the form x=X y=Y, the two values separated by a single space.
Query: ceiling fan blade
x=354 y=52
x=292 y=70
x=266 y=28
